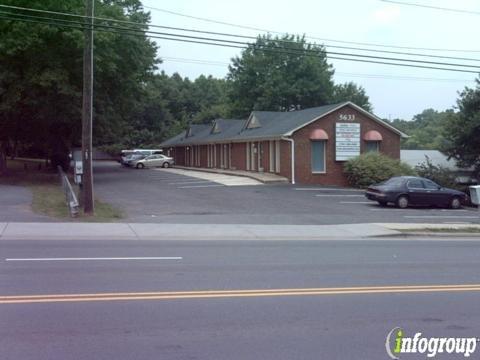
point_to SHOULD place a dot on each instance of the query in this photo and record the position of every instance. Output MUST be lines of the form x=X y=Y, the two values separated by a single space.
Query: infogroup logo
x=397 y=343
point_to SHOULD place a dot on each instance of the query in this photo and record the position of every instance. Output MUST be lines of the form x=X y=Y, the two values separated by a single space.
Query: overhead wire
x=309 y=37
x=433 y=7
x=359 y=75
x=237 y=44
x=234 y=35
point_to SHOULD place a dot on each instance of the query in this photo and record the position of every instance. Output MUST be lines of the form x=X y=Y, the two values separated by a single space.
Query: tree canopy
x=351 y=92
x=41 y=78
x=462 y=130
x=426 y=130
x=268 y=76
x=135 y=105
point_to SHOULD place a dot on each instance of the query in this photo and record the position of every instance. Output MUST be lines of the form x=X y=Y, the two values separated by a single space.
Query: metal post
x=87 y=111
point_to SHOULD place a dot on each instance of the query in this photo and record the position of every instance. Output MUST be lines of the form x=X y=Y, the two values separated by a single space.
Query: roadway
x=270 y=300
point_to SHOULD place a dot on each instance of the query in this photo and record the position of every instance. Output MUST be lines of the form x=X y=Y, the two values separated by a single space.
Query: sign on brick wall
x=347 y=141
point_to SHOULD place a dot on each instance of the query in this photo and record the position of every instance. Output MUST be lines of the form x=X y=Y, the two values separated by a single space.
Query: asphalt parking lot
x=170 y=196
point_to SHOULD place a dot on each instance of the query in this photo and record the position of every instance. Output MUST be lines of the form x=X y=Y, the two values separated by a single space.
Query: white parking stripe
x=336 y=195
x=440 y=217
x=96 y=258
x=326 y=189
x=388 y=209
x=356 y=202
x=200 y=186
x=426 y=210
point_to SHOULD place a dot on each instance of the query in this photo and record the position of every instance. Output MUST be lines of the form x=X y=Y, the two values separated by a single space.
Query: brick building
x=319 y=140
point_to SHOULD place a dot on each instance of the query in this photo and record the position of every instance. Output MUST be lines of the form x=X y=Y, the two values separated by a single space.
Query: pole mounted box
x=475 y=194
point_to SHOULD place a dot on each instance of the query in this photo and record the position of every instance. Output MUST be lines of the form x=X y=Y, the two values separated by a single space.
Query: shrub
x=372 y=168
x=440 y=174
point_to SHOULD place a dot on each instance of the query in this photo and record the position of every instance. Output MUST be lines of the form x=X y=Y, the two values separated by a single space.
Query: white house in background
x=417 y=157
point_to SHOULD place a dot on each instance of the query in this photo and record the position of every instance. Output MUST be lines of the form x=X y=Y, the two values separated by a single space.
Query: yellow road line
x=169 y=295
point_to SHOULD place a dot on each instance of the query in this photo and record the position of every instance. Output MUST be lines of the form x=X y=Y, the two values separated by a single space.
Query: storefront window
x=318 y=156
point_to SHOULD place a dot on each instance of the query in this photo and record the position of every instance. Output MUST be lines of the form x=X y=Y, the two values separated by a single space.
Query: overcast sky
x=363 y=21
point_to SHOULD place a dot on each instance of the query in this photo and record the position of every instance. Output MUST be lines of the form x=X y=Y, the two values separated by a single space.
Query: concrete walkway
x=135 y=231
x=264 y=177
x=223 y=179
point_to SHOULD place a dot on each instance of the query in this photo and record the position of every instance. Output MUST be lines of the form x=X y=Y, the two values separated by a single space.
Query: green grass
x=48 y=196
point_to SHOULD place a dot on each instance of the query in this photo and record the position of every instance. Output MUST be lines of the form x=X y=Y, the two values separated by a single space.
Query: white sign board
x=347 y=141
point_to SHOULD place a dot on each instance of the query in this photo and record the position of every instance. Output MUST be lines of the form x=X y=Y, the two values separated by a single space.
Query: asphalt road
x=15 y=205
x=267 y=317
x=163 y=197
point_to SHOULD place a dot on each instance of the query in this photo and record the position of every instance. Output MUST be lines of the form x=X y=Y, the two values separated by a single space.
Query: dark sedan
x=405 y=191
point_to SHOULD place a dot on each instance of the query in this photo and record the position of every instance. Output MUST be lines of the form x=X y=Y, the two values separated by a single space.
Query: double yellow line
x=173 y=295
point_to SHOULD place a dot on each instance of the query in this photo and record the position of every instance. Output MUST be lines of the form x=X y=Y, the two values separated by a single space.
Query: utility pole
x=87 y=111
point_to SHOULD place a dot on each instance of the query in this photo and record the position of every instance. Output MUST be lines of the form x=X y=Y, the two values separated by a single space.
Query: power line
x=433 y=7
x=232 y=35
x=309 y=37
x=359 y=75
x=298 y=51
x=236 y=44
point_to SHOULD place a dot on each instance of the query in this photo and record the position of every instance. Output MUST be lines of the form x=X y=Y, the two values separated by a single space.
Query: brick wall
x=334 y=169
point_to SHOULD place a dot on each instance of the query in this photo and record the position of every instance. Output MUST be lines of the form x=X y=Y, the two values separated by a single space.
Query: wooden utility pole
x=87 y=111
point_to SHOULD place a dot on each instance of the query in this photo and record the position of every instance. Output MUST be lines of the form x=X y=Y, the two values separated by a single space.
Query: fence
x=70 y=196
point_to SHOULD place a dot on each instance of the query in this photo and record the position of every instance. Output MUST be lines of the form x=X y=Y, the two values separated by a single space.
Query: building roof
x=417 y=157
x=261 y=125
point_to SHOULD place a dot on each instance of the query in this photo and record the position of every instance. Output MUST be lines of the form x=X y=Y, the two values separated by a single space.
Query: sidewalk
x=140 y=231
x=221 y=232
x=264 y=177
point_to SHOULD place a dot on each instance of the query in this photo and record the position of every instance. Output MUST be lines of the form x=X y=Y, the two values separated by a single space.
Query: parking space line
x=97 y=258
x=356 y=202
x=426 y=210
x=326 y=189
x=200 y=186
x=439 y=217
x=336 y=195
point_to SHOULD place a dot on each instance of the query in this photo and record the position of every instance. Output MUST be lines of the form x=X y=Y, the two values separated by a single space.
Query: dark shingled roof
x=273 y=124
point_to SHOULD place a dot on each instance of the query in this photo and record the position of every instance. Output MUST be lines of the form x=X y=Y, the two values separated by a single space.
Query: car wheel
x=382 y=203
x=455 y=202
x=402 y=202
x=140 y=166
x=166 y=165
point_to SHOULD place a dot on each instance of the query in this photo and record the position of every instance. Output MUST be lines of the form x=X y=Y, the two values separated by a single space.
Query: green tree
x=352 y=92
x=41 y=79
x=426 y=130
x=279 y=74
x=462 y=130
